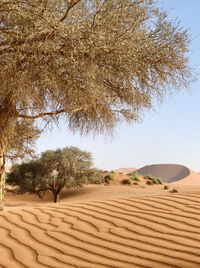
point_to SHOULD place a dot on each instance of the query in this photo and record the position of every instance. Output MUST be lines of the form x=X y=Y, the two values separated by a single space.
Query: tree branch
x=68 y=9
x=50 y=113
x=96 y=13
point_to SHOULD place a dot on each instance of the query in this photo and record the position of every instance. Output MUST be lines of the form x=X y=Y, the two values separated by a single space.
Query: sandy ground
x=103 y=226
x=192 y=179
x=125 y=170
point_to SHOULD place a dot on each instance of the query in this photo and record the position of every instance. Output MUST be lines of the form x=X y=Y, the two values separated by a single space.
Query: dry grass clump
x=133 y=179
x=127 y=181
x=135 y=176
x=108 y=177
x=152 y=180
x=174 y=190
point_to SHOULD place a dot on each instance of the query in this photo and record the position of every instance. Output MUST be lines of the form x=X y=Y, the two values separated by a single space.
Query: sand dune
x=168 y=172
x=106 y=226
x=192 y=179
x=125 y=170
x=153 y=230
x=171 y=173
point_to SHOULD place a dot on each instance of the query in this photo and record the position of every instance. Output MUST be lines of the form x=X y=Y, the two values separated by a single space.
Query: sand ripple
x=152 y=231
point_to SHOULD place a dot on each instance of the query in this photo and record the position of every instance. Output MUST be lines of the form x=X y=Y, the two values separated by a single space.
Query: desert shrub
x=154 y=181
x=150 y=182
x=109 y=177
x=166 y=187
x=106 y=180
x=112 y=171
x=159 y=180
x=135 y=176
x=174 y=190
x=127 y=181
x=149 y=177
x=136 y=183
x=98 y=181
x=135 y=179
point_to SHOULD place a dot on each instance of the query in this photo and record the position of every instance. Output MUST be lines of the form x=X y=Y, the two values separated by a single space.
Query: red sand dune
x=124 y=170
x=160 y=230
x=104 y=227
x=193 y=179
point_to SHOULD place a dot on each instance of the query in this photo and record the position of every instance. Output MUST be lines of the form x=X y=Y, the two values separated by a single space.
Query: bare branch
x=70 y=6
x=51 y=113
x=96 y=13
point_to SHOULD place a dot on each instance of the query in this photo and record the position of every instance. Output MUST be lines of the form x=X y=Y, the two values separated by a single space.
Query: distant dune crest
x=125 y=170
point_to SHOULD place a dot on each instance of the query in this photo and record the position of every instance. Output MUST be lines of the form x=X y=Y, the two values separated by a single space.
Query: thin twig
x=68 y=9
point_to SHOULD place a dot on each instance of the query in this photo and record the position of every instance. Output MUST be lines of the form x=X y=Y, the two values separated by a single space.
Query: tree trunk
x=7 y=119
x=2 y=175
x=56 y=197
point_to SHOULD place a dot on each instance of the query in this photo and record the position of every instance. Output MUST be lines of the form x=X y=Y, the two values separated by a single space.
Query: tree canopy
x=95 y=62
x=54 y=170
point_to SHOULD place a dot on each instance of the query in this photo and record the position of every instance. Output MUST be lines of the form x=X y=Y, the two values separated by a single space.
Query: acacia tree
x=96 y=62
x=69 y=167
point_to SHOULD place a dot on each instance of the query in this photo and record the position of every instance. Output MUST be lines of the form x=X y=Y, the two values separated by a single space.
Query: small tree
x=69 y=167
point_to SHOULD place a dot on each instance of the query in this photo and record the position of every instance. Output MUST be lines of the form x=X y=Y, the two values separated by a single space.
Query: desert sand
x=192 y=179
x=125 y=170
x=103 y=226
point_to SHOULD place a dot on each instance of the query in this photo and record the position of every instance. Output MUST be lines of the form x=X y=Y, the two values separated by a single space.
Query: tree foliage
x=95 y=62
x=54 y=170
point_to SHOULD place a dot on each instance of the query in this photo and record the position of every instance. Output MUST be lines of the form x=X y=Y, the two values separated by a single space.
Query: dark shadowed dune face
x=167 y=172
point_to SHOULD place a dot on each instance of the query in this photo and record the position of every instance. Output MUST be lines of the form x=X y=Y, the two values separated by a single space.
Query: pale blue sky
x=171 y=135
